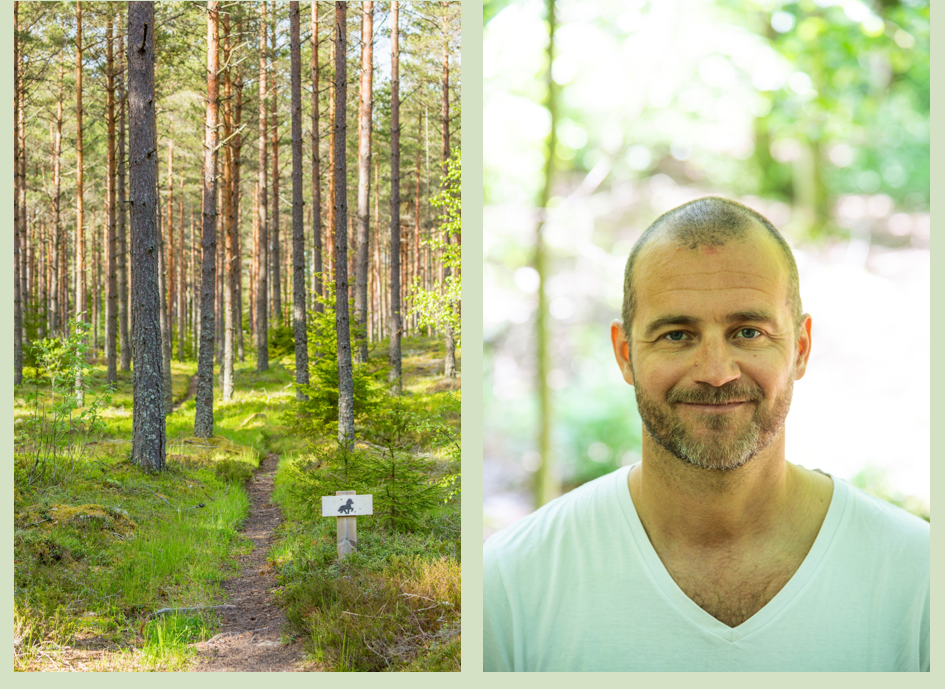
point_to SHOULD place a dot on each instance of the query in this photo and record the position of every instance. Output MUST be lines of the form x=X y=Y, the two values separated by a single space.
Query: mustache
x=730 y=392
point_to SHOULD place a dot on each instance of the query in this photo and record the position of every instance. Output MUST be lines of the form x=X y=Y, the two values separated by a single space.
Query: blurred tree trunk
x=547 y=486
x=148 y=426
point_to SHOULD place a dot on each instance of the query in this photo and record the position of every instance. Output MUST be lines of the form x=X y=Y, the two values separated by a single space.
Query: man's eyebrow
x=661 y=323
x=753 y=316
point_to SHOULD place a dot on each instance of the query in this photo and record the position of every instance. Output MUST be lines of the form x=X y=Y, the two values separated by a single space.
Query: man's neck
x=691 y=507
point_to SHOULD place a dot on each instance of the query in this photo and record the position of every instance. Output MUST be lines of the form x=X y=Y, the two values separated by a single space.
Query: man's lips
x=726 y=406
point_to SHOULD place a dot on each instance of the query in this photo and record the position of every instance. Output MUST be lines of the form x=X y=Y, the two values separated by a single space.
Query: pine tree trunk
x=276 y=254
x=165 y=323
x=123 y=281
x=262 y=239
x=394 y=356
x=17 y=297
x=365 y=106
x=449 y=369
x=148 y=426
x=237 y=166
x=56 y=276
x=181 y=276
x=340 y=204
x=111 y=303
x=316 y=173
x=298 y=231
x=80 y=306
x=203 y=421
x=171 y=245
x=229 y=220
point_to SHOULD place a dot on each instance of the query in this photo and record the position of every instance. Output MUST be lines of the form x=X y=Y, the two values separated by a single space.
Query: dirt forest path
x=252 y=636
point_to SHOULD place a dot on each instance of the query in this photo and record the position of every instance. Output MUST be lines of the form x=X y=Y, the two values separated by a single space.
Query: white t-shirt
x=577 y=586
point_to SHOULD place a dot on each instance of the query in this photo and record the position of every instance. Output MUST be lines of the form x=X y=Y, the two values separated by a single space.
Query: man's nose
x=715 y=363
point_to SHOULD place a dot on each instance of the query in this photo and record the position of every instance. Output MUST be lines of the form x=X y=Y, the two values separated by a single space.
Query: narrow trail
x=252 y=636
x=191 y=393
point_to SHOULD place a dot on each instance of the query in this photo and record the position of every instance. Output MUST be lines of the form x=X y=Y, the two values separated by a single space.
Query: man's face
x=713 y=353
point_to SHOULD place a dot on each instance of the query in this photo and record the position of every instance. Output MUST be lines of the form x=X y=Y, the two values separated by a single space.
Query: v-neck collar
x=688 y=608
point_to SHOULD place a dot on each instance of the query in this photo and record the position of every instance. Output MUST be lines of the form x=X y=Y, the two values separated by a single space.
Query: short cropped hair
x=709 y=221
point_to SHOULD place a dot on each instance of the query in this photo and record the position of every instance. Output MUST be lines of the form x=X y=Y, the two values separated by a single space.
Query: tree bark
x=394 y=355
x=298 y=231
x=365 y=105
x=203 y=421
x=262 y=240
x=80 y=304
x=181 y=276
x=276 y=253
x=237 y=167
x=17 y=297
x=148 y=425
x=58 y=276
x=316 y=173
x=449 y=368
x=111 y=269
x=340 y=204
x=171 y=245
x=123 y=339
x=229 y=220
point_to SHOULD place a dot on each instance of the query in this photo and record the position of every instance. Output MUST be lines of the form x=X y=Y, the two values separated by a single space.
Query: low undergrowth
x=395 y=604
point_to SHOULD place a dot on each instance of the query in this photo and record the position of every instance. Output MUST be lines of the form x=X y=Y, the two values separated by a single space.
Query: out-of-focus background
x=815 y=113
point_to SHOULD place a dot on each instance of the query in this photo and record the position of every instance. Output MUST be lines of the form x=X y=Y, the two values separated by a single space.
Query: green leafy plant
x=56 y=432
x=439 y=307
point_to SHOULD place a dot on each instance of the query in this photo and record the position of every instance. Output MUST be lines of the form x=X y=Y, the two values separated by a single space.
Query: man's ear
x=803 y=347
x=621 y=350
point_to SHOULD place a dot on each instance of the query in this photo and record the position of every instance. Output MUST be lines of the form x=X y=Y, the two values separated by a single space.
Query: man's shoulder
x=553 y=525
x=887 y=526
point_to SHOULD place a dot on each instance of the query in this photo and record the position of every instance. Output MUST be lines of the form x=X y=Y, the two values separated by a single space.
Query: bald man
x=714 y=553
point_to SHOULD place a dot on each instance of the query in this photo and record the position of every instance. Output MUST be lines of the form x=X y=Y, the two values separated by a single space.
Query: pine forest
x=237 y=238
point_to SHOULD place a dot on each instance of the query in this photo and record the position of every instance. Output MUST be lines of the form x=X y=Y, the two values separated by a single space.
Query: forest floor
x=209 y=566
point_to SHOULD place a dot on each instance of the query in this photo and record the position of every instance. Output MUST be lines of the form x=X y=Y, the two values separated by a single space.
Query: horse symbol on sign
x=348 y=507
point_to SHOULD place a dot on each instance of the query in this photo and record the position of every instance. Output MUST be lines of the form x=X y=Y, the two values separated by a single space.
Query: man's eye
x=675 y=336
x=749 y=333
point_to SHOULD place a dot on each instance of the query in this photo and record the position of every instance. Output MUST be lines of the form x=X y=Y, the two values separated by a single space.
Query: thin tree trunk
x=449 y=369
x=276 y=255
x=56 y=275
x=80 y=306
x=111 y=304
x=148 y=426
x=340 y=204
x=181 y=276
x=316 y=173
x=165 y=322
x=203 y=421
x=169 y=255
x=237 y=166
x=298 y=231
x=17 y=297
x=262 y=239
x=365 y=105
x=229 y=272
x=123 y=281
x=394 y=356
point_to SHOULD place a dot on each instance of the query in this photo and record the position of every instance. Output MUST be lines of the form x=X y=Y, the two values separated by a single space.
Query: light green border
x=472 y=337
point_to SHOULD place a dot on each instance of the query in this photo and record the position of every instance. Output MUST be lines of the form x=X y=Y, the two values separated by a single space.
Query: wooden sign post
x=345 y=506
